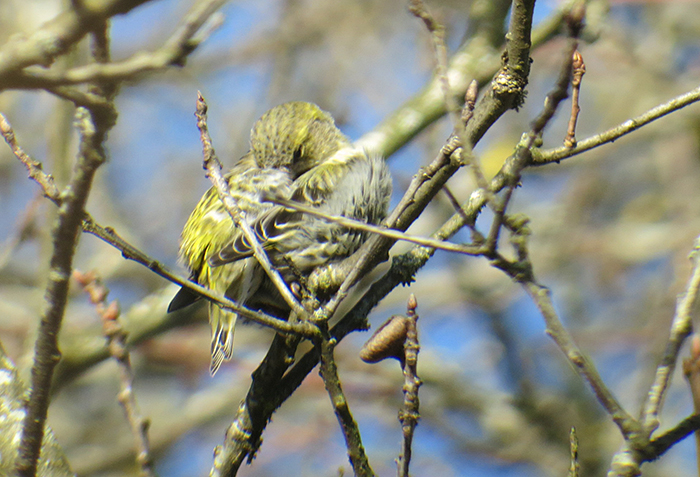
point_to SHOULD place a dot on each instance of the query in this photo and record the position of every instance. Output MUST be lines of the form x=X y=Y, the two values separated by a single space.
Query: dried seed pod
x=387 y=342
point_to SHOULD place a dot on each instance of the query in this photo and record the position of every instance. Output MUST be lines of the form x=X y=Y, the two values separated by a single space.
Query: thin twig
x=522 y=153
x=548 y=156
x=35 y=169
x=116 y=336
x=56 y=37
x=478 y=59
x=579 y=69
x=132 y=253
x=409 y=414
x=378 y=229
x=351 y=432
x=461 y=131
x=457 y=206
x=143 y=320
x=24 y=229
x=657 y=447
x=460 y=121
x=437 y=35
x=522 y=270
x=541 y=296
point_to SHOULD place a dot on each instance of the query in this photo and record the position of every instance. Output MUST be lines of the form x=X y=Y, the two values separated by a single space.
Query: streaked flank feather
x=296 y=153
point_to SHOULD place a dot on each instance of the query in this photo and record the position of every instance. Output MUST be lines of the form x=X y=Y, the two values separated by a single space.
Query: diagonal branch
x=380 y=230
x=351 y=432
x=681 y=327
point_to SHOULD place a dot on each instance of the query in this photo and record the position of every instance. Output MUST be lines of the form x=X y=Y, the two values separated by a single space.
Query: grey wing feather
x=350 y=184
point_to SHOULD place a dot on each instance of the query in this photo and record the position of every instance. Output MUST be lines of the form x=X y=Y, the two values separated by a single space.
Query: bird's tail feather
x=223 y=323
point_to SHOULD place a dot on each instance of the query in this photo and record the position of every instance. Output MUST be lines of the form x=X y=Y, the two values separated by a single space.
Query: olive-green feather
x=297 y=153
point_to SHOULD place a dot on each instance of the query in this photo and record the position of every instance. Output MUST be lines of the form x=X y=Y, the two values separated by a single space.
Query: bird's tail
x=223 y=323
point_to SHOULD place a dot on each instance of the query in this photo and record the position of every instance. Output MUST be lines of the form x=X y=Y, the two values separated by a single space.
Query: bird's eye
x=298 y=152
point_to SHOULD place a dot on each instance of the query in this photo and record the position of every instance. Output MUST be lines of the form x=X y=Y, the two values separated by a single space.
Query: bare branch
x=65 y=235
x=681 y=327
x=351 y=433
x=56 y=37
x=132 y=253
x=478 y=59
x=35 y=168
x=409 y=414
x=541 y=296
x=380 y=230
x=548 y=156
x=659 y=446
x=116 y=336
x=173 y=53
x=437 y=35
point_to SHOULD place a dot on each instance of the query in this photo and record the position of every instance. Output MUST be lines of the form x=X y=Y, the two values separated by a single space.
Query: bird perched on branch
x=296 y=153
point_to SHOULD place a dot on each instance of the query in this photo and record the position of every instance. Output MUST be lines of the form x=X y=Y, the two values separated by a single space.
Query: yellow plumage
x=297 y=153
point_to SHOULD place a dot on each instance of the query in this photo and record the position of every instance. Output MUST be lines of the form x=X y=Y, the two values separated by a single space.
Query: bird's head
x=295 y=136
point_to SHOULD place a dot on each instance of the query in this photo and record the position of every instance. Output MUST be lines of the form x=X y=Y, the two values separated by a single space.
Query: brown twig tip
x=470 y=95
x=201 y=105
x=387 y=342
x=409 y=412
x=6 y=129
x=35 y=169
x=578 y=69
x=418 y=8
x=412 y=304
x=112 y=329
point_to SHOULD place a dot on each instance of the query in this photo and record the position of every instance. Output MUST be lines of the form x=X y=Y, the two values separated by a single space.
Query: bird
x=296 y=153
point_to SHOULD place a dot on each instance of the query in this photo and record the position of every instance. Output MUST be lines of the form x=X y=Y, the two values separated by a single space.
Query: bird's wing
x=348 y=184
x=249 y=193
x=274 y=225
